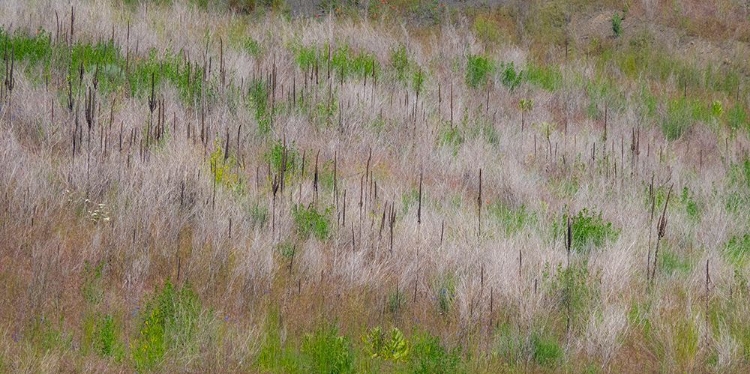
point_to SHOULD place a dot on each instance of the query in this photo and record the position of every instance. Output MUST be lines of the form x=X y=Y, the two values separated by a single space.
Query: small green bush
x=617 y=19
x=509 y=76
x=400 y=62
x=393 y=347
x=309 y=222
x=478 y=70
x=589 y=230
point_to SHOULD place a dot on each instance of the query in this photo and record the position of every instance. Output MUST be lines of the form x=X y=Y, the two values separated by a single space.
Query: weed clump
x=309 y=221
x=169 y=321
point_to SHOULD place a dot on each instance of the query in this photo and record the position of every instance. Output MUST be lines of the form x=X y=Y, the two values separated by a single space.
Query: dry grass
x=98 y=232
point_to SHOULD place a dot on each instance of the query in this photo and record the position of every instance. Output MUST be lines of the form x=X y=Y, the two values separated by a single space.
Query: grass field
x=405 y=186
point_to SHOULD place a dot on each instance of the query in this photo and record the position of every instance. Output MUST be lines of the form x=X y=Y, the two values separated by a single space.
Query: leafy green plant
x=545 y=76
x=478 y=70
x=509 y=76
x=309 y=221
x=511 y=346
x=737 y=117
x=393 y=346
x=276 y=155
x=617 y=19
x=450 y=136
x=691 y=206
x=573 y=291
x=400 y=62
x=589 y=230
x=168 y=321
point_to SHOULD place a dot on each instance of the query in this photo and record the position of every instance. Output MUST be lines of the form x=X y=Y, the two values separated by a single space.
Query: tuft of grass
x=168 y=322
x=546 y=350
x=547 y=77
x=672 y=263
x=309 y=221
x=325 y=351
x=428 y=355
x=258 y=101
x=511 y=220
x=737 y=248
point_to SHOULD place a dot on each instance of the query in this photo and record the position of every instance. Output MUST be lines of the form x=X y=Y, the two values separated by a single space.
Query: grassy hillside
x=404 y=186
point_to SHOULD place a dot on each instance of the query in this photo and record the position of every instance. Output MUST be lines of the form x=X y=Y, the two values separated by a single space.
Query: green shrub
x=511 y=346
x=589 y=230
x=223 y=168
x=400 y=62
x=309 y=222
x=428 y=355
x=168 y=321
x=573 y=291
x=396 y=300
x=478 y=70
x=509 y=76
x=678 y=119
x=276 y=156
x=307 y=57
x=691 y=206
x=617 y=19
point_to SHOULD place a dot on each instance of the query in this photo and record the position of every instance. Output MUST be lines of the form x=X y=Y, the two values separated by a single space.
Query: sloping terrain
x=523 y=187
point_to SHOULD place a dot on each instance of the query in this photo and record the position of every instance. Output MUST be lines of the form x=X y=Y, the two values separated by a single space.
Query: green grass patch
x=429 y=356
x=672 y=263
x=737 y=249
x=547 y=350
x=545 y=76
x=169 y=321
x=511 y=220
x=308 y=221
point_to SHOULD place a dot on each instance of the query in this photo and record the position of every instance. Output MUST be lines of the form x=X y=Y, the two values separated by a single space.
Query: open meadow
x=404 y=186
